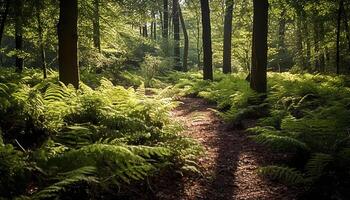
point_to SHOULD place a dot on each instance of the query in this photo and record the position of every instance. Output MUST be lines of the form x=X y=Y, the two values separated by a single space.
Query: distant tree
x=227 y=66
x=206 y=37
x=176 y=24
x=18 y=7
x=186 y=41
x=38 y=6
x=258 y=77
x=68 y=43
x=96 y=25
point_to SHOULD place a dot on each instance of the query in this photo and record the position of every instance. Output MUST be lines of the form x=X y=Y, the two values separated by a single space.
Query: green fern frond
x=284 y=174
x=317 y=165
x=281 y=143
x=85 y=174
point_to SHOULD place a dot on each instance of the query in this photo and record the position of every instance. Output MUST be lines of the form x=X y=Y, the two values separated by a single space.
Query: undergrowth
x=57 y=141
x=305 y=117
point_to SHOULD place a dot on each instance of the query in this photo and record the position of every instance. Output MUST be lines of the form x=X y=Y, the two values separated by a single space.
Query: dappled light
x=174 y=99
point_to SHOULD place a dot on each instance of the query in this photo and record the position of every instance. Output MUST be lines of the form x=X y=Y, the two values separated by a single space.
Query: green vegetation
x=58 y=137
x=87 y=89
x=305 y=117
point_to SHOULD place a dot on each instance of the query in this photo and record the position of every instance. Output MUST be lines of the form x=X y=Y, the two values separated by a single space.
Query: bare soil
x=229 y=164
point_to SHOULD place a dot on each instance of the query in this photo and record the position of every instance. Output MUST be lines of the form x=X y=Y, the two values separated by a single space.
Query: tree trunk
x=186 y=45
x=258 y=79
x=340 y=10
x=41 y=42
x=176 y=22
x=3 y=22
x=346 y=24
x=18 y=34
x=68 y=43
x=154 y=26
x=281 y=39
x=206 y=37
x=299 y=45
x=165 y=19
x=316 y=46
x=145 y=30
x=227 y=66
x=96 y=26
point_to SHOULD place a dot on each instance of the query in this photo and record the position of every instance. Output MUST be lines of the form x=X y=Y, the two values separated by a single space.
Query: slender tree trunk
x=258 y=79
x=281 y=39
x=300 y=52
x=316 y=46
x=41 y=41
x=165 y=19
x=68 y=43
x=321 y=36
x=154 y=26
x=227 y=65
x=186 y=42
x=206 y=37
x=3 y=22
x=96 y=25
x=346 y=24
x=176 y=22
x=308 y=44
x=145 y=30
x=340 y=10
x=141 y=33
x=18 y=34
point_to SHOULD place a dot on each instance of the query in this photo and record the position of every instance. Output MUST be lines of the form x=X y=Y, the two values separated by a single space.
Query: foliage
x=106 y=137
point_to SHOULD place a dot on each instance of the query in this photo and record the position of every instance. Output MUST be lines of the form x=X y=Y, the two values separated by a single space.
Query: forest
x=175 y=99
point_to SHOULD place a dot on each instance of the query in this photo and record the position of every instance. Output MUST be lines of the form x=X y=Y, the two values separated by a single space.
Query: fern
x=284 y=174
x=65 y=180
x=281 y=143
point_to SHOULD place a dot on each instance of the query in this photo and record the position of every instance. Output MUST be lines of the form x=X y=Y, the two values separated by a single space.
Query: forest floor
x=229 y=163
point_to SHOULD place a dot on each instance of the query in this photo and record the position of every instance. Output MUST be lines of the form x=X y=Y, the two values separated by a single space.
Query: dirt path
x=229 y=164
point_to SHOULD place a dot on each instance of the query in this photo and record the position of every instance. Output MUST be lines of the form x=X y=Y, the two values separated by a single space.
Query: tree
x=176 y=24
x=19 y=34
x=340 y=11
x=68 y=43
x=40 y=37
x=258 y=78
x=186 y=45
x=206 y=37
x=96 y=25
x=3 y=19
x=228 y=37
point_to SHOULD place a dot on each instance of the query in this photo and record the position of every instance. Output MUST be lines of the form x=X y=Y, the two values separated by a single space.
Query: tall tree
x=165 y=19
x=40 y=37
x=258 y=78
x=340 y=10
x=19 y=34
x=68 y=42
x=96 y=25
x=176 y=22
x=186 y=41
x=227 y=66
x=3 y=19
x=206 y=37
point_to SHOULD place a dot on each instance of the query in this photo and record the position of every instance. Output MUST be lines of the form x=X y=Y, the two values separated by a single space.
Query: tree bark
x=206 y=37
x=19 y=34
x=3 y=22
x=176 y=22
x=96 y=26
x=68 y=43
x=281 y=39
x=340 y=10
x=165 y=19
x=227 y=65
x=346 y=24
x=186 y=42
x=258 y=78
x=299 y=45
x=41 y=41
